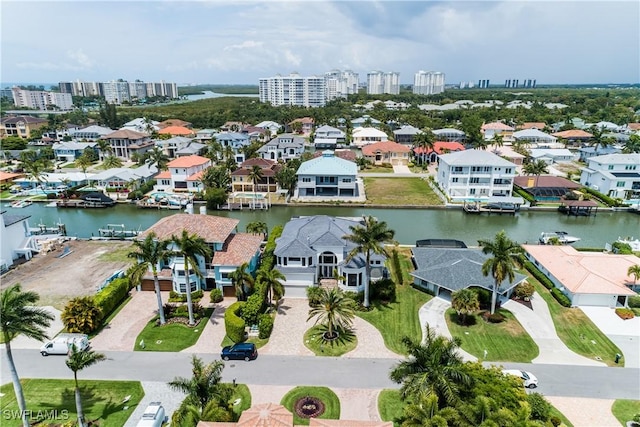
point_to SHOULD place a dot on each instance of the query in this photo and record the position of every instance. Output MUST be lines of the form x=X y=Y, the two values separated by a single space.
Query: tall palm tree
x=505 y=257
x=255 y=175
x=83 y=162
x=35 y=169
x=424 y=140
x=77 y=361
x=537 y=168
x=214 y=150
x=242 y=280
x=190 y=246
x=369 y=239
x=258 y=227
x=632 y=145
x=464 y=302
x=334 y=311
x=105 y=148
x=634 y=271
x=599 y=138
x=149 y=253
x=433 y=367
x=157 y=157
x=272 y=280
x=111 y=162
x=19 y=316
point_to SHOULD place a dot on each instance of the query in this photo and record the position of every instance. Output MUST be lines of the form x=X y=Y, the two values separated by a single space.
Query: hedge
x=216 y=296
x=557 y=294
x=265 y=326
x=252 y=308
x=233 y=323
x=111 y=296
x=609 y=201
x=528 y=197
x=179 y=297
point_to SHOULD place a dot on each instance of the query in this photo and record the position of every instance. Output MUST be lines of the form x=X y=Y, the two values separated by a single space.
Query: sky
x=238 y=42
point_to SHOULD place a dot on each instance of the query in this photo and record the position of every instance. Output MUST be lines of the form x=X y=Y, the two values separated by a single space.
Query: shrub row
x=625 y=313
x=252 y=308
x=528 y=197
x=233 y=323
x=178 y=297
x=609 y=201
x=112 y=295
x=634 y=302
x=557 y=294
x=265 y=326
x=216 y=296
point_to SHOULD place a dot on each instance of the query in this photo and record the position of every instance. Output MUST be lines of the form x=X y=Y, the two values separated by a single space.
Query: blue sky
x=239 y=41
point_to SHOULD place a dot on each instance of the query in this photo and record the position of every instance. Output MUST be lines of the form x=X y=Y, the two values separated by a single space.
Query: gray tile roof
x=456 y=268
x=13 y=219
x=474 y=158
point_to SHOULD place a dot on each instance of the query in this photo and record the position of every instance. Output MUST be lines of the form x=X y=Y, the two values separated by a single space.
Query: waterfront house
x=386 y=152
x=586 y=278
x=546 y=187
x=328 y=137
x=406 y=134
x=449 y=135
x=284 y=147
x=177 y=131
x=616 y=175
x=327 y=176
x=552 y=155
x=126 y=142
x=365 y=121
x=21 y=126
x=312 y=248
x=439 y=147
x=236 y=140
x=14 y=230
x=117 y=179
x=69 y=151
x=53 y=180
x=230 y=250
x=442 y=271
x=91 y=133
x=475 y=174
x=489 y=130
x=363 y=136
x=172 y=145
x=183 y=174
x=240 y=181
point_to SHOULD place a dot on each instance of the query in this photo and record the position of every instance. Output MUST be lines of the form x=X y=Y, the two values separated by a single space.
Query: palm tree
x=20 y=317
x=497 y=140
x=83 y=162
x=632 y=145
x=112 y=162
x=190 y=247
x=255 y=175
x=287 y=179
x=81 y=315
x=272 y=281
x=464 y=302
x=505 y=256
x=424 y=140
x=599 y=139
x=537 y=168
x=77 y=361
x=35 y=169
x=242 y=280
x=334 y=311
x=214 y=151
x=105 y=148
x=369 y=238
x=634 y=271
x=432 y=368
x=149 y=253
x=158 y=158
x=258 y=227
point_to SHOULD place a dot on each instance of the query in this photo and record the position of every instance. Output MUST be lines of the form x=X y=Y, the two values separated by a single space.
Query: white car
x=530 y=380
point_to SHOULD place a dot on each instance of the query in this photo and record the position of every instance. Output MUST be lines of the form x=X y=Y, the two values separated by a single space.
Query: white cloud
x=81 y=58
x=247 y=44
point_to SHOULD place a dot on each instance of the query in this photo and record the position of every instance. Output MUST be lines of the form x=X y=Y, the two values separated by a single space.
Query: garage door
x=295 y=289
x=599 y=300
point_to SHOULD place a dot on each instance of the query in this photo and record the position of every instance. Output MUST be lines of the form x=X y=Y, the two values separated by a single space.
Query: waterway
x=409 y=224
x=209 y=94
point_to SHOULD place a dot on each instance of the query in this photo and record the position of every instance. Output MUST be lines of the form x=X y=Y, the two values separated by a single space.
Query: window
x=472 y=191
x=294 y=259
x=610 y=167
x=306 y=179
x=474 y=180
x=620 y=184
x=454 y=179
x=508 y=170
x=346 y=179
x=457 y=169
x=488 y=169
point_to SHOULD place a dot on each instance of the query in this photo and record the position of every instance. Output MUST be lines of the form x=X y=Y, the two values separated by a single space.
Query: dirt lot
x=79 y=273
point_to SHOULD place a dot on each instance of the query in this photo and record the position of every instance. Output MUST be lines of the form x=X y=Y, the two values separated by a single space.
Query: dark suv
x=246 y=351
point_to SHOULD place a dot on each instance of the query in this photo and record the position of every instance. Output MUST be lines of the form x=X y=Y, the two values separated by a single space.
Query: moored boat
x=21 y=203
x=561 y=237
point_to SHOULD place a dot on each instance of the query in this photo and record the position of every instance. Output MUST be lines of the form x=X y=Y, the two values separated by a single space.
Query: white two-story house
x=328 y=137
x=183 y=174
x=475 y=174
x=327 y=176
x=285 y=147
x=616 y=175
x=237 y=141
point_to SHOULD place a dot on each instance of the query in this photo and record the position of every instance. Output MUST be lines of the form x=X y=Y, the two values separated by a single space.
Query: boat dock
x=116 y=232
x=579 y=207
x=476 y=208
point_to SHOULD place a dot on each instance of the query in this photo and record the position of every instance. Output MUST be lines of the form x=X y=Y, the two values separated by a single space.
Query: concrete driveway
x=54 y=329
x=401 y=169
x=624 y=333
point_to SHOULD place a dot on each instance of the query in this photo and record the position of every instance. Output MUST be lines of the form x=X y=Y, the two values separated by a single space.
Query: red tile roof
x=6 y=176
x=544 y=181
x=176 y=130
x=238 y=249
x=634 y=126
x=163 y=175
x=573 y=133
x=187 y=161
x=343 y=154
x=196 y=176
x=384 y=147
x=173 y=122
x=307 y=120
x=532 y=125
x=125 y=134
x=247 y=164
x=211 y=228
x=440 y=147
x=496 y=126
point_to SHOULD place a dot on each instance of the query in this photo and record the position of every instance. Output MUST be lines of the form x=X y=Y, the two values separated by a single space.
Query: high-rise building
x=340 y=84
x=40 y=99
x=379 y=82
x=428 y=82
x=116 y=92
x=483 y=84
x=293 y=89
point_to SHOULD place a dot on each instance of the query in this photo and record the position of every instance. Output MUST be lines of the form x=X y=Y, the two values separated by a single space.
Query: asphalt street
x=555 y=380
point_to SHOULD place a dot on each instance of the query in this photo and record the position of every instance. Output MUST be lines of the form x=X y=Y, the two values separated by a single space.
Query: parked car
x=63 y=342
x=246 y=351
x=529 y=380
x=153 y=416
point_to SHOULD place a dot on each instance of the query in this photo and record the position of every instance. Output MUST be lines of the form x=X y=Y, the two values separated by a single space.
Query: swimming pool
x=39 y=192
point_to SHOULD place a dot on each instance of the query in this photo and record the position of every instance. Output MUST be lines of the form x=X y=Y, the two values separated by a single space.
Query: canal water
x=409 y=224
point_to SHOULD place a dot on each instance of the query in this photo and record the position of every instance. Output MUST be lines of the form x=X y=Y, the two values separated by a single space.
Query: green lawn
x=398 y=319
x=170 y=337
x=342 y=345
x=328 y=397
x=70 y=166
x=505 y=342
x=399 y=192
x=390 y=405
x=257 y=341
x=624 y=410
x=101 y=400
x=556 y=413
x=577 y=331
x=377 y=169
x=117 y=255
x=243 y=393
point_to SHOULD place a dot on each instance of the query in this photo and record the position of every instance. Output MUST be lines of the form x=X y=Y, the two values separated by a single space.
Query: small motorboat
x=21 y=203
x=561 y=237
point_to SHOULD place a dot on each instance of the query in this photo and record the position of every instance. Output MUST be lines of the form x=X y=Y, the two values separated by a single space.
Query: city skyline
x=238 y=43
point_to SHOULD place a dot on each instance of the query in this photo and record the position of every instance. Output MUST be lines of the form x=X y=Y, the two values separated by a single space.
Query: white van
x=153 y=416
x=63 y=342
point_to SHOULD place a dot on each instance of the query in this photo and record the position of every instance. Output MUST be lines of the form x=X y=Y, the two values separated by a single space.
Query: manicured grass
x=377 y=169
x=257 y=341
x=398 y=319
x=117 y=255
x=243 y=393
x=404 y=254
x=400 y=192
x=101 y=400
x=390 y=405
x=70 y=166
x=577 y=331
x=505 y=342
x=170 y=337
x=565 y=420
x=328 y=397
x=342 y=345
x=625 y=410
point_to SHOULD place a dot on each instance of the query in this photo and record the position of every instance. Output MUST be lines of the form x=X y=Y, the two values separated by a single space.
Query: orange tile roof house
x=439 y=147
x=496 y=128
x=174 y=122
x=230 y=250
x=307 y=125
x=125 y=142
x=532 y=125
x=386 y=152
x=183 y=174
x=176 y=131
x=240 y=181
x=587 y=278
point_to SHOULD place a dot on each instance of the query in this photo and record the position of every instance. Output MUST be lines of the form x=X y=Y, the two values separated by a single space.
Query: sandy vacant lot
x=79 y=273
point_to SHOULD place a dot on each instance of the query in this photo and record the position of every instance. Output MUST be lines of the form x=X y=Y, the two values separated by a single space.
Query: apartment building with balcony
x=428 y=82
x=293 y=89
x=379 y=82
x=475 y=175
x=41 y=100
x=340 y=84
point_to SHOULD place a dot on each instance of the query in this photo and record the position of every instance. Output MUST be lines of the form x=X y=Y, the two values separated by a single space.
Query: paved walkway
x=54 y=328
x=289 y=328
x=584 y=412
x=155 y=391
x=432 y=313
x=539 y=325
x=624 y=333
x=214 y=332
x=401 y=169
x=370 y=342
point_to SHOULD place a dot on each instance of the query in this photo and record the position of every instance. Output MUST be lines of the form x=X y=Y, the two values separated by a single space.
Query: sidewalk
x=54 y=328
x=584 y=412
x=214 y=332
x=539 y=325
